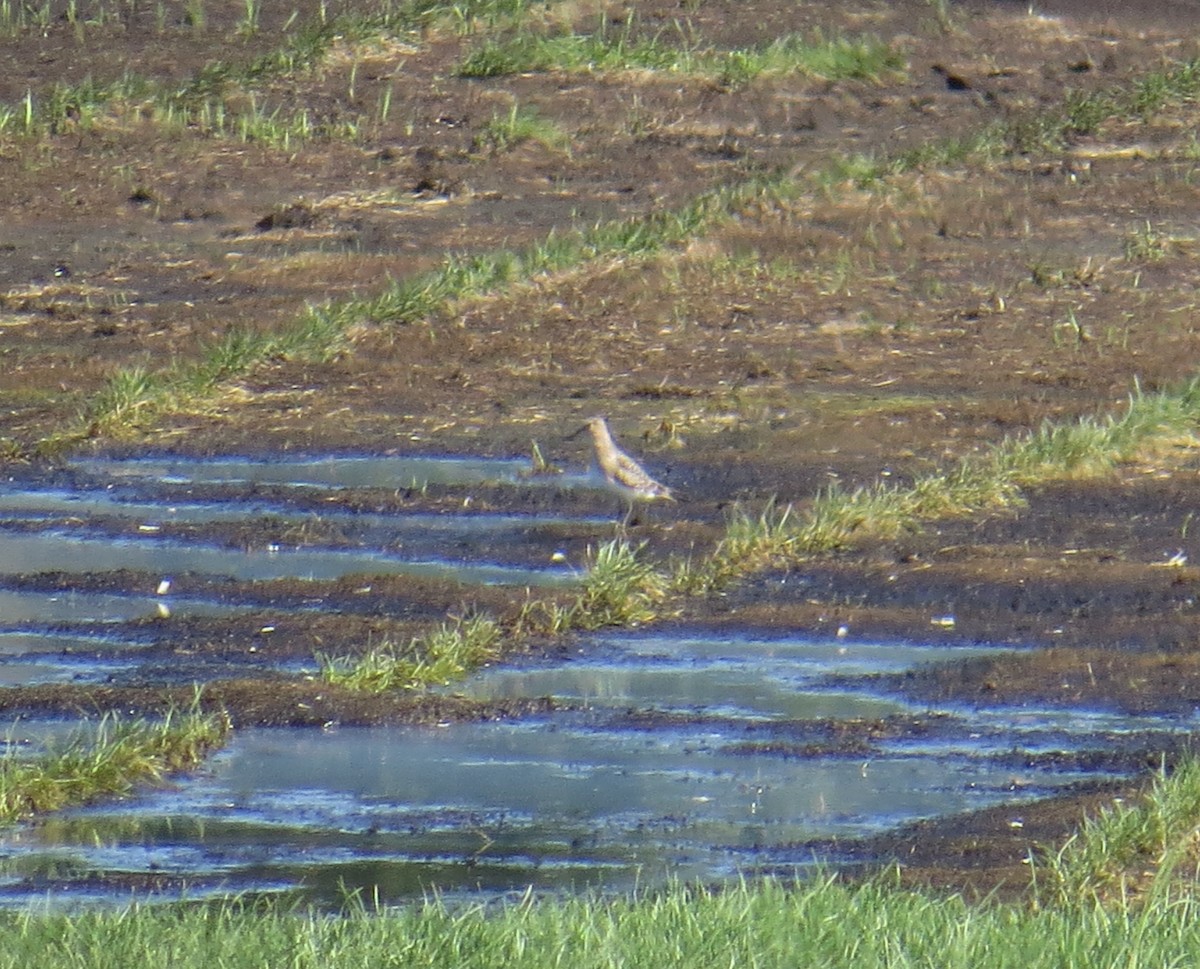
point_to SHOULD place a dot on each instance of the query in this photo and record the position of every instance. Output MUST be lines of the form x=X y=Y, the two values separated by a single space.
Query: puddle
x=28 y=658
x=40 y=609
x=24 y=644
x=491 y=808
x=112 y=525
x=52 y=551
x=51 y=505
x=374 y=543
x=580 y=799
x=682 y=754
x=24 y=673
x=722 y=675
x=23 y=736
x=336 y=472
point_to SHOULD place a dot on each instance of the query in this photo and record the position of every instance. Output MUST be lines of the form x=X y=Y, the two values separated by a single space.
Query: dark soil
x=275 y=703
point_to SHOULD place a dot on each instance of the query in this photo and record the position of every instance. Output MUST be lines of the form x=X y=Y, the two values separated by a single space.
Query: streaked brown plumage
x=620 y=470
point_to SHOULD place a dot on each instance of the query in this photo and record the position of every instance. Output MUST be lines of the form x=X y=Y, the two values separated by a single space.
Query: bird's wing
x=628 y=466
x=634 y=475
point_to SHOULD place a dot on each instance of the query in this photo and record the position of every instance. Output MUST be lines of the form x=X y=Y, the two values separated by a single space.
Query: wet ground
x=834 y=334
x=781 y=725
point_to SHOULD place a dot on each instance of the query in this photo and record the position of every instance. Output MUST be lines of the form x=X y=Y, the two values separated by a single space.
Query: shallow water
x=30 y=612
x=733 y=674
x=58 y=552
x=499 y=807
x=335 y=472
x=584 y=798
x=57 y=530
x=52 y=504
x=689 y=753
x=422 y=538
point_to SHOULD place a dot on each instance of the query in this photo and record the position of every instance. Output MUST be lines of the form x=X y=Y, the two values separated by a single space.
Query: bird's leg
x=629 y=518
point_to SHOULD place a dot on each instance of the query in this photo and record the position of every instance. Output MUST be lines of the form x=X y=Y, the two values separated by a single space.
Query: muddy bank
x=268 y=702
x=987 y=855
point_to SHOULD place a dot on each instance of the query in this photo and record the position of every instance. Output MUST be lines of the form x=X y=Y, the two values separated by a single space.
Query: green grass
x=1032 y=133
x=765 y=925
x=834 y=59
x=1132 y=852
x=127 y=393
x=1147 y=244
x=504 y=132
x=230 y=112
x=875 y=925
x=1120 y=893
x=134 y=397
x=444 y=654
x=1092 y=446
x=606 y=50
x=619 y=588
x=112 y=760
x=223 y=98
x=837 y=518
x=609 y=50
x=751 y=543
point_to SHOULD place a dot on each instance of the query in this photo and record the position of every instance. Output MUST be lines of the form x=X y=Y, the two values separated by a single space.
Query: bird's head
x=591 y=424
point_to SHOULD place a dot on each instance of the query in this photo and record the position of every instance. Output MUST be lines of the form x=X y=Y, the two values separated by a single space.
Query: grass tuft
x=127 y=394
x=750 y=544
x=1092 y=446
x=619 y=589
x=223 y=99
x=446 y=654
x=1132 y=851
x=837 y=518
x=837 y=58
x=113 y=760
x=520 y=125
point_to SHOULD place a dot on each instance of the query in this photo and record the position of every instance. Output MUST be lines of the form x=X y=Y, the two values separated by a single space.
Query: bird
x=619 y=469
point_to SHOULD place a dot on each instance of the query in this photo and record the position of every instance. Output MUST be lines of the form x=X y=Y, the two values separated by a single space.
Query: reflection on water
x=578 y=799
x=423 y=538
x=690 y=786
x=25 y=643
x=327 y=472
x=57 y=552
x=733 y=674
x=48 y=505
x=439 y=546
x=43 y=608
x=497 y=807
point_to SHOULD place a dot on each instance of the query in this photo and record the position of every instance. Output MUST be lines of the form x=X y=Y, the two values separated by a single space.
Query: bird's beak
x=575 y=434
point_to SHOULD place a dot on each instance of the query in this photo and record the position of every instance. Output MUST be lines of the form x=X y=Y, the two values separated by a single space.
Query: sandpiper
x=619 y=469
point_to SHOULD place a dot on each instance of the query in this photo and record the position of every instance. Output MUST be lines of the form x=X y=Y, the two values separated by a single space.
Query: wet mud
x=271 y=701
x=987 y=855
x=1072 y=595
